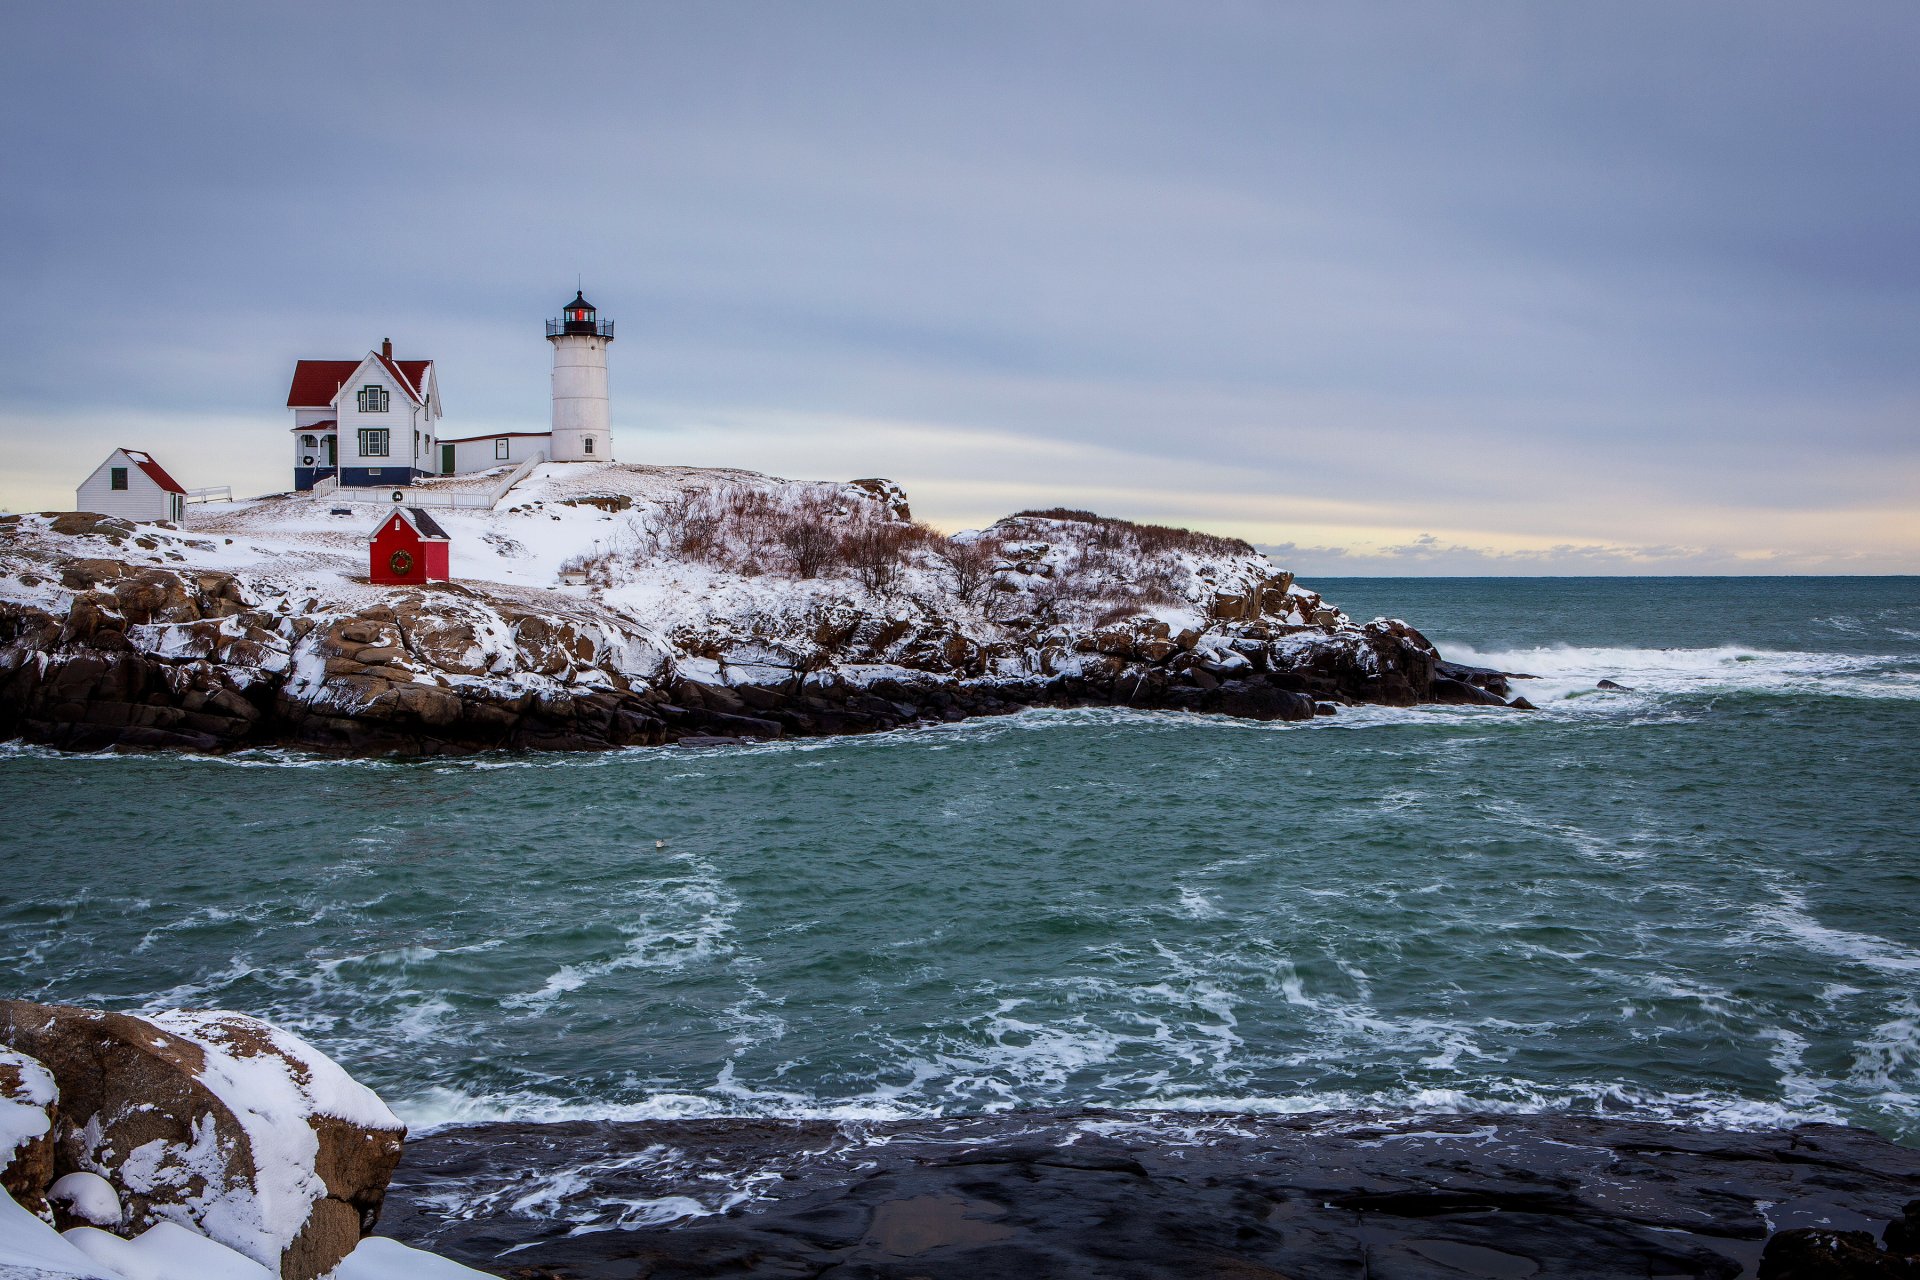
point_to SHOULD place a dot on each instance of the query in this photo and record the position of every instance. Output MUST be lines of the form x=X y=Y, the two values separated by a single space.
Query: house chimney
x=386 y=348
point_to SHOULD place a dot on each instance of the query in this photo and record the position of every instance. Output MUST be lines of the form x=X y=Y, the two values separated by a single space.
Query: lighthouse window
x=119 y=479
x=373 y=442
x=589 y=444
x=373 y=400
x=500 y=447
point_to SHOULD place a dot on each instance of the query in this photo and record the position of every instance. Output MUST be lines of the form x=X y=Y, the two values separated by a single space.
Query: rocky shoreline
x=189 y=1143
x=113 y=637
x=1138 y=1195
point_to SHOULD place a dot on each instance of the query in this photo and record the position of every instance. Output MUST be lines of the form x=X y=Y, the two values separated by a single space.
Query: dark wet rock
x=1460 y=693
x=1811 y=1253
x=1903 y=1233
x=1488 y=678
x=1617 y=688
x=1521 y=704
x=1141 y=1195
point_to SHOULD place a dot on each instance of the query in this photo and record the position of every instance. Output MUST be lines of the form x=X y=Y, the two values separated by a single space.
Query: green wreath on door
x=401 y=562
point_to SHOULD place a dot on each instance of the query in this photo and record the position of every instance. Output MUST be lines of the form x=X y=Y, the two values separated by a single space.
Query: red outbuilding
x=409 y=547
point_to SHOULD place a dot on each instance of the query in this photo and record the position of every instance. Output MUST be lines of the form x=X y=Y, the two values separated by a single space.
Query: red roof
x=316 y=382
x=331 y=424
x=425 y=526
x=155 y=472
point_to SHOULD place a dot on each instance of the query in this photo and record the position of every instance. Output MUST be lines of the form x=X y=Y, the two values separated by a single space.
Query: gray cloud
x=1594 y=276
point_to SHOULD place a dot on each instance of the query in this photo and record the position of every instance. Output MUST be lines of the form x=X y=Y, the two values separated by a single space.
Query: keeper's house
x=408 y=547
x=370 y=422
x=131 y=485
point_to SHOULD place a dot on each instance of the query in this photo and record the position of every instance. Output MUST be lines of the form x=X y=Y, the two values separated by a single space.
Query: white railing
x=410 y=496
x=214 y=493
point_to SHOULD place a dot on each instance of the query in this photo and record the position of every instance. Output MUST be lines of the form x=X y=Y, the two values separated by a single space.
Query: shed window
x=373 y=442
x=500 y=447
x=373 y=399
x=589 y=444
x=119 y=480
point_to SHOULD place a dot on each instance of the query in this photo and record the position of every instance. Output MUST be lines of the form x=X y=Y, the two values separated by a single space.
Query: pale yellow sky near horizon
x=965 y=477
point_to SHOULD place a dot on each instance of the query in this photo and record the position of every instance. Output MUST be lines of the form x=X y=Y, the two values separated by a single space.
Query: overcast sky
x=1424 y=287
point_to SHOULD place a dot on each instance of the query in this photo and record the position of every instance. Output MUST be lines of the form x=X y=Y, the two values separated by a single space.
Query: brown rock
x=151 y=1105
x=76 y=524
x=27 y=1171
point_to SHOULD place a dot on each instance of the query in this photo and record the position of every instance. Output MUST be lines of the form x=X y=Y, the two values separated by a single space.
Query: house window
x=119 y=480
x=373 y=399
x=373 y=442
x=307 y=442
x=589 y=444
x=500 y=447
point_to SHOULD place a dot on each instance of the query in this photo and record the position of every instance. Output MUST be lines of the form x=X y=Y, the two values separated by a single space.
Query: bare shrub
x=970 y=565
x=809 y=541
x=1113 y=533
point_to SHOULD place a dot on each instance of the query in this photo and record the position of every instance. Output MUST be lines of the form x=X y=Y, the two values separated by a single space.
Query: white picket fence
x=213 y=493
x=414 y=496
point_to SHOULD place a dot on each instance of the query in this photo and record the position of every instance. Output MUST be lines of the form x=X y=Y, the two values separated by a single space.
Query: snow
x=87 y=1196
x=166 y=1251
x=378 y=1258
x=32 y=1250
x=23 y=1107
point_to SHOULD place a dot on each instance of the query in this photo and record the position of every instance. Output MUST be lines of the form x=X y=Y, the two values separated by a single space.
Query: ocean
x=1695 y=900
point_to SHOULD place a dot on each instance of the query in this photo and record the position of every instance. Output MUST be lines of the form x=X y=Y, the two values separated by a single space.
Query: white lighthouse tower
x=582 y=431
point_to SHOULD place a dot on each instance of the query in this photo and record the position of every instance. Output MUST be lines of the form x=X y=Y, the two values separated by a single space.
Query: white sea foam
x=1789 y=918
x=1569 y=672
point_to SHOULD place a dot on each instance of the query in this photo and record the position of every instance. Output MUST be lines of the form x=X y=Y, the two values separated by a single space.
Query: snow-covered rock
x=219 y=1123
x=713 y=602
x=85 y=1199
x=28 y=1099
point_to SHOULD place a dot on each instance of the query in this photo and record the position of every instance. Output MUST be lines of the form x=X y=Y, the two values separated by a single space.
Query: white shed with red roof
x=131 y=485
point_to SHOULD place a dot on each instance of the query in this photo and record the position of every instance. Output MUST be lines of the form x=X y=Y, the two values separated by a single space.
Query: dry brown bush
x=971 y=565
x=1112 y=533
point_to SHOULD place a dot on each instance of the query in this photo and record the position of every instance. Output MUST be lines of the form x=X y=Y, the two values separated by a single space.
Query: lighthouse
x=581 y=429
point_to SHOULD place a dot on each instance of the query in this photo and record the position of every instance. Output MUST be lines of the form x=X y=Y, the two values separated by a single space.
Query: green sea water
x=1698 y=900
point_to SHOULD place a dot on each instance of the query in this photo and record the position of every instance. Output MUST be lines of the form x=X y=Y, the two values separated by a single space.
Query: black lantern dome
x=579 y=317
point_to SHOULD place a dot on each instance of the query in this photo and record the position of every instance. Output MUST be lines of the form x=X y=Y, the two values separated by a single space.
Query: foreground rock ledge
x=1138 y=1195
x=212 y=1121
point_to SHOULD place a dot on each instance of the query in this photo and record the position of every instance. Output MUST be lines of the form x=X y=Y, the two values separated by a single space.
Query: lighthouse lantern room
x=582 y=430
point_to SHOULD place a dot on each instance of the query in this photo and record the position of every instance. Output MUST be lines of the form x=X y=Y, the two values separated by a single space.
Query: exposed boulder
x=217 y=1122
x=1460 y=693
